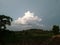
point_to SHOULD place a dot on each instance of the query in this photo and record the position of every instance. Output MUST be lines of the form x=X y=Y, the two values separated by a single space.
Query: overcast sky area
x=28 y=14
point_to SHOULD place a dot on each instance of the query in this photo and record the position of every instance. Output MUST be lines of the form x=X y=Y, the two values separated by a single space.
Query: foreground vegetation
x=25 y=37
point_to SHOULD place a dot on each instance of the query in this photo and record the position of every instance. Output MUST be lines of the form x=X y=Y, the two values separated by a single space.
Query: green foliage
x=55 y=29
x=4 y=20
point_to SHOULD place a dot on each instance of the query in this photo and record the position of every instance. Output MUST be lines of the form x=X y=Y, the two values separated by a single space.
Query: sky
x=28 y=14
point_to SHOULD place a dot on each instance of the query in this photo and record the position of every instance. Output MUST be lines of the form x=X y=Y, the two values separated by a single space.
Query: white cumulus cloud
x=27 y=21
x=27 y=18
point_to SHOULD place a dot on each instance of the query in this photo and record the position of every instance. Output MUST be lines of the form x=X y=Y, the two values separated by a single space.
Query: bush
x=55 y=29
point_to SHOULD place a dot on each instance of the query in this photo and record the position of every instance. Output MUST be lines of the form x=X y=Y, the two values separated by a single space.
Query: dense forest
x=27 y=37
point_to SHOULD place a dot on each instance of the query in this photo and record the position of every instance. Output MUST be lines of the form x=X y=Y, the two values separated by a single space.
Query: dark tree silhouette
x=55 y=29
x=4 y=20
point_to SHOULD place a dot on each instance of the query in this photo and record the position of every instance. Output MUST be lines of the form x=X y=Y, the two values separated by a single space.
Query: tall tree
x=4 y=20
x=55 y=29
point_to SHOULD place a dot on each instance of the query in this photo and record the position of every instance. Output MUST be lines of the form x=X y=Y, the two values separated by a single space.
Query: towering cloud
x=29 y=20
